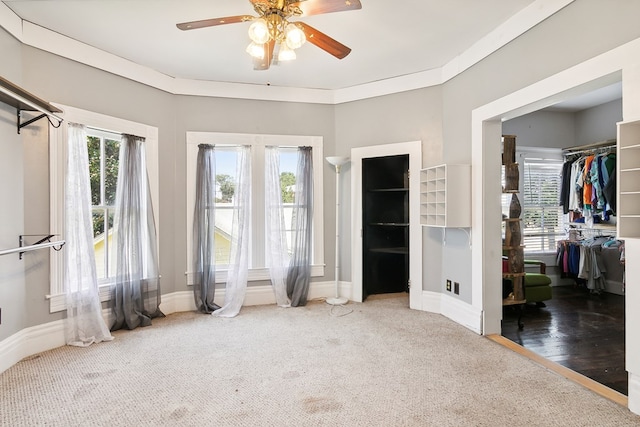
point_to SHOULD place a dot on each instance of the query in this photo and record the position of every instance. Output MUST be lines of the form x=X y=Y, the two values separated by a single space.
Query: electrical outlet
x=456 y=288
x=449 y=285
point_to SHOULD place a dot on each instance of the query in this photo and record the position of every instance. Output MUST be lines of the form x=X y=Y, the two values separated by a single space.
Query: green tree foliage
x=110 y=177
x=227 y=187
x=287 y=185
x=93 y=146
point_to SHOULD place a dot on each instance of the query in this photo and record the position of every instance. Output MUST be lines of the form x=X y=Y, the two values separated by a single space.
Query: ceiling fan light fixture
x=256 y=50
x=259 y=31
x=271 y=28
x=286 y=53
x=294 y=36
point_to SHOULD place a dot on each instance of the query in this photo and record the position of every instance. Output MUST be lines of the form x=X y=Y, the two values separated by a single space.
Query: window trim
x=57 y=169
x=258 y=143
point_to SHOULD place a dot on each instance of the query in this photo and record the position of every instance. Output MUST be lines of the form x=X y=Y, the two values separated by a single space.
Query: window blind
x=542 y=217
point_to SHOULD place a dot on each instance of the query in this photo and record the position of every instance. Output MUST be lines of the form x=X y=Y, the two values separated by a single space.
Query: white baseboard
x=30 y=341
x=455 y=309
x=256 y=295
x=47 y=336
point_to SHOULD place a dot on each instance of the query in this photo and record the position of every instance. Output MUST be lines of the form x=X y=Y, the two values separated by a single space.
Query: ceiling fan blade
x=265 y=63
x=316 y=7
x=323 y=41
x=213 y=22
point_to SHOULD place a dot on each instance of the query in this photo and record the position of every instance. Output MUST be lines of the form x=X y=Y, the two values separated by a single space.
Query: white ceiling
x=388 y=38
x=591 y=99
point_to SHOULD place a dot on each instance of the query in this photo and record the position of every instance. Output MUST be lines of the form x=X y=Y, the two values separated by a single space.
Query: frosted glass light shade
x=285 y=53
x=259 y=31
x=256 y=50
x=337 y=160
x=294 y=36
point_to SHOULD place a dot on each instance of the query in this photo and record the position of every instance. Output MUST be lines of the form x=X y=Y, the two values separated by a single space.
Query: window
x=288 y=169
x=104 y=150
x=542 y=217
x=103 y=143
x=226 y=146
x=543 y=221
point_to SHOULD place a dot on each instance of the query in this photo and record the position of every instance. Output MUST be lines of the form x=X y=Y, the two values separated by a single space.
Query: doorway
x=385 y=219
x=580 y=324
x=389 y=231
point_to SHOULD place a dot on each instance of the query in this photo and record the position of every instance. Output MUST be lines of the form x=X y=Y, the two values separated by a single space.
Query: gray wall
x=242 y=116
x=546 y=129
x=582 y=30
x=599 y=123
x=402 y=117
x=439 y=116
x=66 y=82
x=13 y=295
x=553 y=129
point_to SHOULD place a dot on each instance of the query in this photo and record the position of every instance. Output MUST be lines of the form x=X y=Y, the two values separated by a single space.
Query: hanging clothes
x=587 y=186
x=588 y=183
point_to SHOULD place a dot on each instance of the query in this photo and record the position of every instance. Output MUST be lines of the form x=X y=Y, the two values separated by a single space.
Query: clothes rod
x=29 y=248
x=21 y=99
x=601 y=144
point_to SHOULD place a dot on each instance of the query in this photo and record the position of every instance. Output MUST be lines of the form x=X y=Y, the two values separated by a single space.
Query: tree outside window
x=103 y=150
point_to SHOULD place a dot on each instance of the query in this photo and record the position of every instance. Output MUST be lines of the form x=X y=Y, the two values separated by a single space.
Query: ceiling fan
x=272 y=29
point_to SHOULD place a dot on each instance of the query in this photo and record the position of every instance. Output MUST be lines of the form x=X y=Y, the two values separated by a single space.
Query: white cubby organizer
x=445 y=196
x=628 y=203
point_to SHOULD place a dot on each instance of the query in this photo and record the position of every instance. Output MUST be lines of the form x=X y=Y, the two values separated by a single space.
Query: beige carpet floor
x=371 y=364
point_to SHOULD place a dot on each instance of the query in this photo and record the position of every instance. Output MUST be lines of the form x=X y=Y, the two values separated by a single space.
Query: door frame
x=414 y=150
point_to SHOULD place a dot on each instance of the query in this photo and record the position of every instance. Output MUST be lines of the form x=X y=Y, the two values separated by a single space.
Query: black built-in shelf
x=386 y=219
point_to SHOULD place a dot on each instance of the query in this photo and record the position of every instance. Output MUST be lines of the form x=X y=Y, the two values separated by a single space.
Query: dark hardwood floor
x=579 y=330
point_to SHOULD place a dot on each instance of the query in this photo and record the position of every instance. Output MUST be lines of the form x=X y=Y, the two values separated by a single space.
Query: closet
x=591 y=254
x=385 y=209
x=386 y=256
x=583 y=326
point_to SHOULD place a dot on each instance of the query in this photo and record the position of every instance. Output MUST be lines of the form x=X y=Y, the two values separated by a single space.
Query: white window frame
x=526 y=155
x=258 y=143
x=57 y=169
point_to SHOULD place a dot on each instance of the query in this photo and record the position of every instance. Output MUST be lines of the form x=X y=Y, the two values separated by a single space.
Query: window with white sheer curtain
x=226 y=151
x=103 y=143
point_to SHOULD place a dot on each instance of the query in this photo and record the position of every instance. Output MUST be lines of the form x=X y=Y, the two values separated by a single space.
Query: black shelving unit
x=385 y=239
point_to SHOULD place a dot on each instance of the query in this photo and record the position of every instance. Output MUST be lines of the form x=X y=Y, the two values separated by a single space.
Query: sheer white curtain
x=204 y=229
x=277 y=258
x=236 y=286
x=136 y=293
x=299 y=274
x=84 y=324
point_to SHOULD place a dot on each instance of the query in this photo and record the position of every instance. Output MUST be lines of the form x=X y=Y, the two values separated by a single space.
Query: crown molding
x=52 y=42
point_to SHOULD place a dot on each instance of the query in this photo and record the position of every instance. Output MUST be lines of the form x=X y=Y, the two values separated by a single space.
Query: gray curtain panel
x=204 y=226
x=136 y=294
x=299 y=274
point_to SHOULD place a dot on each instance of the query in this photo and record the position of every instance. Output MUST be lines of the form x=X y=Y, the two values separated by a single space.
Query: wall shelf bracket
x=41 y=116
x=22 y=100
x=45 y=242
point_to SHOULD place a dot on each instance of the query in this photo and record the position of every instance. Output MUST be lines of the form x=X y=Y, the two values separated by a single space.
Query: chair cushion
x=536 y=279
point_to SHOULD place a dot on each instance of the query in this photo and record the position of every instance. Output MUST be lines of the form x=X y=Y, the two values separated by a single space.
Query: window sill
x=57 y=302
